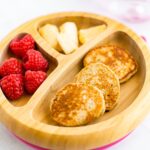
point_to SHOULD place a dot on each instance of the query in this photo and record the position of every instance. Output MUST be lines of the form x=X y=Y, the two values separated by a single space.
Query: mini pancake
x=102 y=77
x=118 y=59
x=77 y=104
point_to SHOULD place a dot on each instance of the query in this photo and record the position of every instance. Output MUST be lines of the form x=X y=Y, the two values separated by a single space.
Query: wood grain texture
x=29 y=117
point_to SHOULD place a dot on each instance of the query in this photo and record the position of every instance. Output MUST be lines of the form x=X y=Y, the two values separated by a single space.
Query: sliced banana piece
x=68 y=37
x=86 y=35
x=50 y=32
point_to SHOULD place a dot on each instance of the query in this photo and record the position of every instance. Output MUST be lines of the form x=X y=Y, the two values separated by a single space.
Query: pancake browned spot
x=102 y=77
x=77 y=104
x=118 y=59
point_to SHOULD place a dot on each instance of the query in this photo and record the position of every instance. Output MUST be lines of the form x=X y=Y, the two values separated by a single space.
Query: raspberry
x=34 y=60
x=33 y=79
x=12 y=86
x=19 y=46
x=11 y=66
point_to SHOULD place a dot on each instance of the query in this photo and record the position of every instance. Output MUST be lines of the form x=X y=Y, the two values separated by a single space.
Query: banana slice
x=86 y=35
x=68 y=37
x=49 y=32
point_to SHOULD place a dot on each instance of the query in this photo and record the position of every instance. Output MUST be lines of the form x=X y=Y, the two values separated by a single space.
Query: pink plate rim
x=100 y=148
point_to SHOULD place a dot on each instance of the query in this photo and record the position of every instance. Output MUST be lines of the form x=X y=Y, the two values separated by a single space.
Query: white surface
x=15 y=12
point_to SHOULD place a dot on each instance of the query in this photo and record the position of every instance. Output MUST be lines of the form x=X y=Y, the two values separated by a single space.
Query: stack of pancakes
x=96 y=87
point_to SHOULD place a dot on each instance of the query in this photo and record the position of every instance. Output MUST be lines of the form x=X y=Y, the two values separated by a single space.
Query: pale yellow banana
x=86 y=35
x=68 y=37
x=49 y=32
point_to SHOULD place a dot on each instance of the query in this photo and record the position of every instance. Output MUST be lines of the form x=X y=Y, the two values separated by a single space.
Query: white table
x=15 y=12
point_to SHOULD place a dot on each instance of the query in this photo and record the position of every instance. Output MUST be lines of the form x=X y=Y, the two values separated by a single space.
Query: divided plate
x=29 y=118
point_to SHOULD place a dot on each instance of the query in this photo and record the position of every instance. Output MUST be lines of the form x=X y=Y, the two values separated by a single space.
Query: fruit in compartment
x=50 y=32
x=11 y=66
x=19 y=46
x=12 y=86
x=86 y=35
x=33 y=79
x=29 y=72
x=68 y=37
x=35 y=61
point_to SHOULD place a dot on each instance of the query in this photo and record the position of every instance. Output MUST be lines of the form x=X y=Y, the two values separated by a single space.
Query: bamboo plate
x=29 y=119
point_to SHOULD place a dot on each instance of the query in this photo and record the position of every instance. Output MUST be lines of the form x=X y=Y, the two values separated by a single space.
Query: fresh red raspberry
x=12 y=86
x=11 y=66
x=34 y=60
x=33 y=79
x=19 y=46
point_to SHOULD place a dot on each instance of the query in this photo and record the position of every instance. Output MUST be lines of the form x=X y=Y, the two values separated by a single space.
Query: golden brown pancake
x=118 y=59
x=77 y=104
x=102 y=77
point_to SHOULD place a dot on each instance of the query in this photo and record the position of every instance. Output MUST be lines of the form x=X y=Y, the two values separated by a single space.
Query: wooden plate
x=29 y=117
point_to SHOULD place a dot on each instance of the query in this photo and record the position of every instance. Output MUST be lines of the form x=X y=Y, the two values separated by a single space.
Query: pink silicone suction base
x=100 y=148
